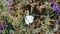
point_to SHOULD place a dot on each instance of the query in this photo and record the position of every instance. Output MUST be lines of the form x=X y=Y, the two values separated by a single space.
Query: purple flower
x=9 y=2
x=3 y=23
x=54 y=5
x=1 y=28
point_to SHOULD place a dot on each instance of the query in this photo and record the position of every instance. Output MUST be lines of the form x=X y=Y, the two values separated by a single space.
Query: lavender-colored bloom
x=9 y=2
x=3 y=23
x=1 y=29
x=55 y=7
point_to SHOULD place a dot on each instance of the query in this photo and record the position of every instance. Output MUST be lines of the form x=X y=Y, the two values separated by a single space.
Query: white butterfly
x=29 y=19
